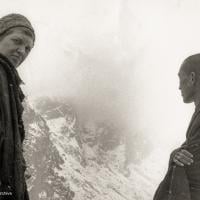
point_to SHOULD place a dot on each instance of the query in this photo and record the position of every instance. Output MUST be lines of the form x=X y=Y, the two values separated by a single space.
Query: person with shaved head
x=182 y=181
x=17 y=38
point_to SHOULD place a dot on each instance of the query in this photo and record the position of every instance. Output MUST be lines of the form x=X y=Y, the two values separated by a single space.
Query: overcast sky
x=120 y=56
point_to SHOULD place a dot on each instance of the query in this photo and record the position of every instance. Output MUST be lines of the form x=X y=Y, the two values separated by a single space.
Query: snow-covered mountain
x=69 y=160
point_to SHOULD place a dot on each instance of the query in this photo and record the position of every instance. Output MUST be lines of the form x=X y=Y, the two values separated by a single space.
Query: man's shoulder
x=3 y=74
x=194 y=127
x=196 y=119
x=3 y=80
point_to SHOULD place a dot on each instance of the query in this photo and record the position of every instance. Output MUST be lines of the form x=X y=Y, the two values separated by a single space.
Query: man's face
x=16 y=46
x=186 y=86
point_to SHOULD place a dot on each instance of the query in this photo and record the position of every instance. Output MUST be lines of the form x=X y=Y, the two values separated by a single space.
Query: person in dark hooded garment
x=182 y=181
x=16 y=41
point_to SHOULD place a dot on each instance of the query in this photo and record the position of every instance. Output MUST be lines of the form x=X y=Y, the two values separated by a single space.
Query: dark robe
x=12 y=163
x=183 y=183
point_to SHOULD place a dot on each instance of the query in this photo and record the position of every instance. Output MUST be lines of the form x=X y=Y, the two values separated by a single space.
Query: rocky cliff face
x=68 y=159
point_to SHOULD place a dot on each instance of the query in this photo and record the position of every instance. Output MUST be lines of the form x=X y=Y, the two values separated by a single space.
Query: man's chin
x=187 y=100
x=15 y=62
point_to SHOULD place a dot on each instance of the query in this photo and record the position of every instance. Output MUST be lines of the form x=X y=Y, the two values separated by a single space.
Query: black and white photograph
x=100 y=100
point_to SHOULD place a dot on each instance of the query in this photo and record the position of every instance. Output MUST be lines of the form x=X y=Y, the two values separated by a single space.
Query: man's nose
x=21 y=50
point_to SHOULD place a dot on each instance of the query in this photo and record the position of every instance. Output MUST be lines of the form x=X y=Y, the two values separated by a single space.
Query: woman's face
x=16 y=45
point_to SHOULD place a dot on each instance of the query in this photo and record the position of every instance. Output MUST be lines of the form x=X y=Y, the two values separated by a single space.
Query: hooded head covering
x=15 y=20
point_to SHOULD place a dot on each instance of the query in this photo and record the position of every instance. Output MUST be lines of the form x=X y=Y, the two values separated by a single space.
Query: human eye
x=16 y=40
x=27 y=49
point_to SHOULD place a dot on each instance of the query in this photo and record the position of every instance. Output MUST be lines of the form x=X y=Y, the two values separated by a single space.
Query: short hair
x=191 y=64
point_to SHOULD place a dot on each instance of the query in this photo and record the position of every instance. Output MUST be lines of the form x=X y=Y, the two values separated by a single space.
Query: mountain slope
x=70 y=160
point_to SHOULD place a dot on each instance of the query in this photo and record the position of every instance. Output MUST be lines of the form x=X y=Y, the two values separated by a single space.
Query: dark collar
x=11 y=67
x=197 y=108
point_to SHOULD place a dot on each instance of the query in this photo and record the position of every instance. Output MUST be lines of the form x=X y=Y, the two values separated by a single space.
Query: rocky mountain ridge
x=69 y=160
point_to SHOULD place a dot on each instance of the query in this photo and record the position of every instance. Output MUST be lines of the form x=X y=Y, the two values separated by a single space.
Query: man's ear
x=192 y=78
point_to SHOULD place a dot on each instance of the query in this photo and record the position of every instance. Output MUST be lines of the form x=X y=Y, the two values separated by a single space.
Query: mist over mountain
x=70 y=158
